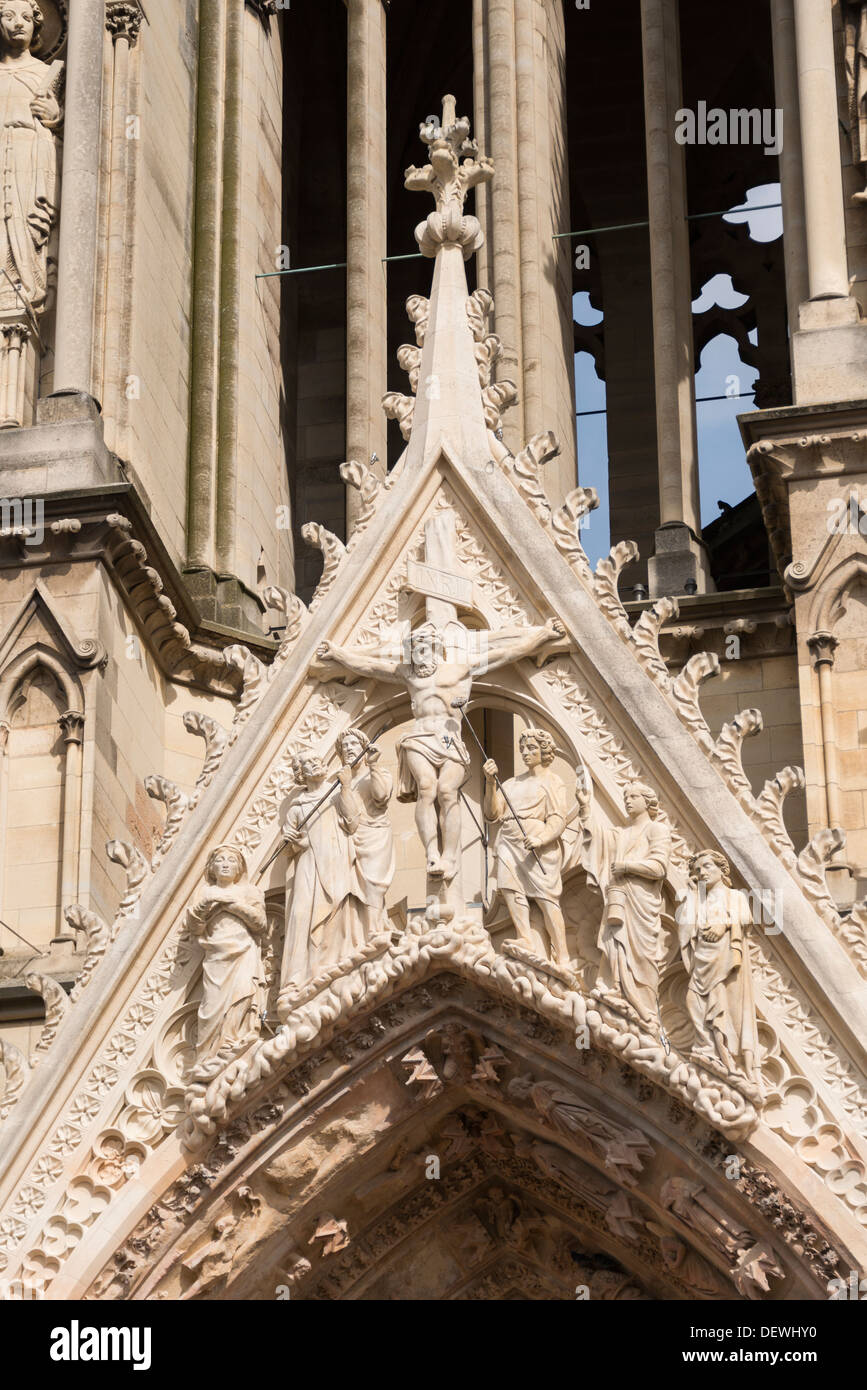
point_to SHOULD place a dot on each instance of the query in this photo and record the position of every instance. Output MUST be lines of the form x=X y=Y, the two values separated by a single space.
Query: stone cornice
x=110 y=526
x=797 y=443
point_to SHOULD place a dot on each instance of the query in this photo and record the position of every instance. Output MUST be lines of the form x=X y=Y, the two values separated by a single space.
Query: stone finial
x=454 y=167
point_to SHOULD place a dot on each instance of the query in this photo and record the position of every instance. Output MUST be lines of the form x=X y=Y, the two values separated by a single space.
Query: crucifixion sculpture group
x=341 y=860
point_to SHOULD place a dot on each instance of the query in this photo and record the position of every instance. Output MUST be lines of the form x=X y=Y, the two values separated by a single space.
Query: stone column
x=827 y=270
x=679 y=554
x=543 y=211
x=72 y=726
x=123 y=22
x=501 y=198
x=201 y=467
x=225 y=522
x=791 y=168
x=76 y=272
x=822 y=646
x=520 y=91
x=366 y=241
x=14 y=338
x=481 y=128
x=829 y=351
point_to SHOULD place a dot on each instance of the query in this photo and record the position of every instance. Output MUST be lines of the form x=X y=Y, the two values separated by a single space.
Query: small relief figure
x=228 y=918
x=363 y=799
x=212 y=1265
x=29 y=116
x=687 y=1266
x=712 y=926
x=751 y=1262
x=530 y=811
x=501 y=1215
x=326 y=911
x=855 y=19
x=629 y=863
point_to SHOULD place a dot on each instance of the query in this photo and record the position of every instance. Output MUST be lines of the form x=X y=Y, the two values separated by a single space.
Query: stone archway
x=454 y=1144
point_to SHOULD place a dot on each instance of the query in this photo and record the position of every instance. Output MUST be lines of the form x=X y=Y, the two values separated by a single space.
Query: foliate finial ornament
x=455 y=166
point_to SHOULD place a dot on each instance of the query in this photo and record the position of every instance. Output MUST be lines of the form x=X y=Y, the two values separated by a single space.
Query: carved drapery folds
x=228 y=918
x=348 y=968
x=31 y=117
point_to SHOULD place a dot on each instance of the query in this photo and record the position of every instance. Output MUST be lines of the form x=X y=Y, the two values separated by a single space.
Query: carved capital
x=4 y=735
x=822 y=648
x=123 y=20
x=72 y=725
x=14 y=335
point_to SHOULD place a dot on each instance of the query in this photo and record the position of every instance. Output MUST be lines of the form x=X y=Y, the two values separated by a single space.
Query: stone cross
x=439 y=577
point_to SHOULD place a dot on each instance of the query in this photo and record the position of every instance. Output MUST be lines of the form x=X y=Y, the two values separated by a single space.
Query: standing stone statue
x=363 y=800
x=228 y=917
x=529 y=856
x=326 y=912
x=433 y=761
x=30 y=114
x=855 y=18
x=712 y=925
x=630 y=863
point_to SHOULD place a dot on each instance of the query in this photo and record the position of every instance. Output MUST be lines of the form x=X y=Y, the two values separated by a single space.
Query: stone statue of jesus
x=432 y=759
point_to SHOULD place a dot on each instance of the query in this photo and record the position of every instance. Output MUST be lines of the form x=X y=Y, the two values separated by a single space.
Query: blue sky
x=723 y=470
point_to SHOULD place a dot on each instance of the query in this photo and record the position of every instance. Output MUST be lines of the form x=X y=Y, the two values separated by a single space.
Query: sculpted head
x=308 y=767
x=226 y=865
x=20 y=23
x=638 y=797
x=710 y=868
x=425 y=650
x=351 y=744
x=537 y=746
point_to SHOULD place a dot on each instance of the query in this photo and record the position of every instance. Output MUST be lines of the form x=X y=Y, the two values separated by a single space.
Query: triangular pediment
x=462 y=541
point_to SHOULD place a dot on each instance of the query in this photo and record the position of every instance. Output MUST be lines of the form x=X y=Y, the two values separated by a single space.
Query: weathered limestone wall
x=262 y=485
x=770 y=684
x=132 y=728
x=159 y=363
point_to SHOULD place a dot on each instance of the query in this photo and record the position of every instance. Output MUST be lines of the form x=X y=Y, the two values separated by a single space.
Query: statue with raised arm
x=363 y=802
x=433 y=763
x=529 y=850
x=326 y=915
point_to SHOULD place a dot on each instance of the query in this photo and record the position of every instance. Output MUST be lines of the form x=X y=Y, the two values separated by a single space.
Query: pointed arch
x=40 y=806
